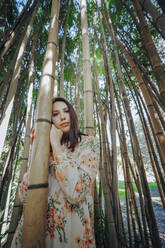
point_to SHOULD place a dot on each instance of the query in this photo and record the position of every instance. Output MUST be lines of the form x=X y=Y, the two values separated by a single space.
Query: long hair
x=71 y=138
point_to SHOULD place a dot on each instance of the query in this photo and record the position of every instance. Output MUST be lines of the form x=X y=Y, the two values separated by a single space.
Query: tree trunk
x=35 y=208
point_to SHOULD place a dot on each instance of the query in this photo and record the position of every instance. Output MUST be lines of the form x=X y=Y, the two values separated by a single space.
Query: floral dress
x=70 y=214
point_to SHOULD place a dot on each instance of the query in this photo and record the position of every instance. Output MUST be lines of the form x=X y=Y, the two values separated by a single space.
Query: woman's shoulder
x=89 y=140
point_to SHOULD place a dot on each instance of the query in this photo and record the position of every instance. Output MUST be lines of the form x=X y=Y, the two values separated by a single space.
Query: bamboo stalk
x=88 y=92
x=35 y=208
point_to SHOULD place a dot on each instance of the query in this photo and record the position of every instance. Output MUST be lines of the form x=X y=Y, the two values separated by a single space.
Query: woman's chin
x=65 y=129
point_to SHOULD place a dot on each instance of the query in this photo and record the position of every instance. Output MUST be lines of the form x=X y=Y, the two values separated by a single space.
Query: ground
x=159 y=213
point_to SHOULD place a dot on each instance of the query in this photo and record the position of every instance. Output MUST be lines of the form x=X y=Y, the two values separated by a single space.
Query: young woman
x=73 y=167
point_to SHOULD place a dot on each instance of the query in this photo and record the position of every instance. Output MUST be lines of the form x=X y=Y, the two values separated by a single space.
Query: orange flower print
x=86 y=221
x=60 y=176
x=78 y=240
x=88 y=231
x=71 y=163
x=78 y=190
x=90 y=241
x=59 y=217
x=82 y=162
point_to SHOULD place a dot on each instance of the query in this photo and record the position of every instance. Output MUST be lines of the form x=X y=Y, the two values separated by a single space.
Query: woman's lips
x=65 y=124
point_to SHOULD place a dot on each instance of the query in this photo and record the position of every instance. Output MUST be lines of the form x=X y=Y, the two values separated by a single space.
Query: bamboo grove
x=107 y=58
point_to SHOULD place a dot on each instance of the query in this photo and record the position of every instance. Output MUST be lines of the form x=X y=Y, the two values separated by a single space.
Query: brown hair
x=74 y=135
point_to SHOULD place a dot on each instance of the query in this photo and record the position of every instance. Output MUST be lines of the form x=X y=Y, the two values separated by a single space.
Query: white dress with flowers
x=70 y=214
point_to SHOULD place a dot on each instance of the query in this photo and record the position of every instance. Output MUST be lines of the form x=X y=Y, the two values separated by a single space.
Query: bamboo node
x=52 y=42
x=24 y=158
x=43 y=120
x=48 y=75
x=38 y=186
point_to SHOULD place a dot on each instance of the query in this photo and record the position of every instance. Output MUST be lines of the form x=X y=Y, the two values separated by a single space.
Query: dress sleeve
x=76 y=177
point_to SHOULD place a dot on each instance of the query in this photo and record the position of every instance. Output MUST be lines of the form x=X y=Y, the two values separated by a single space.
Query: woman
x=72 y=170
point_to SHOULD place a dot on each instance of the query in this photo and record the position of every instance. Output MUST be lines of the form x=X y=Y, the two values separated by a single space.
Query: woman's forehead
x=59 y=105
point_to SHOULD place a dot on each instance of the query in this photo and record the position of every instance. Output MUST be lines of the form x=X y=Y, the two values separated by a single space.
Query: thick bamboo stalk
x=88 y=92
x=35 y=208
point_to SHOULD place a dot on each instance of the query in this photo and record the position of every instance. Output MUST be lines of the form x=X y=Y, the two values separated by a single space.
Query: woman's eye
x=55 y=114
x=66 y=111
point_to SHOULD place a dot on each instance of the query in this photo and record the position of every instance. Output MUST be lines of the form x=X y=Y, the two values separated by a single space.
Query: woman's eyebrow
x=62 y=109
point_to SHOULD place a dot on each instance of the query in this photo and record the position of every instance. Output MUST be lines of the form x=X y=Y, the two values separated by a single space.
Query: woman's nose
x=62 y=116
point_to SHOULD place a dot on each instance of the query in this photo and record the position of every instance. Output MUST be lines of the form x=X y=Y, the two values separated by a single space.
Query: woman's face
x=61 y=116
